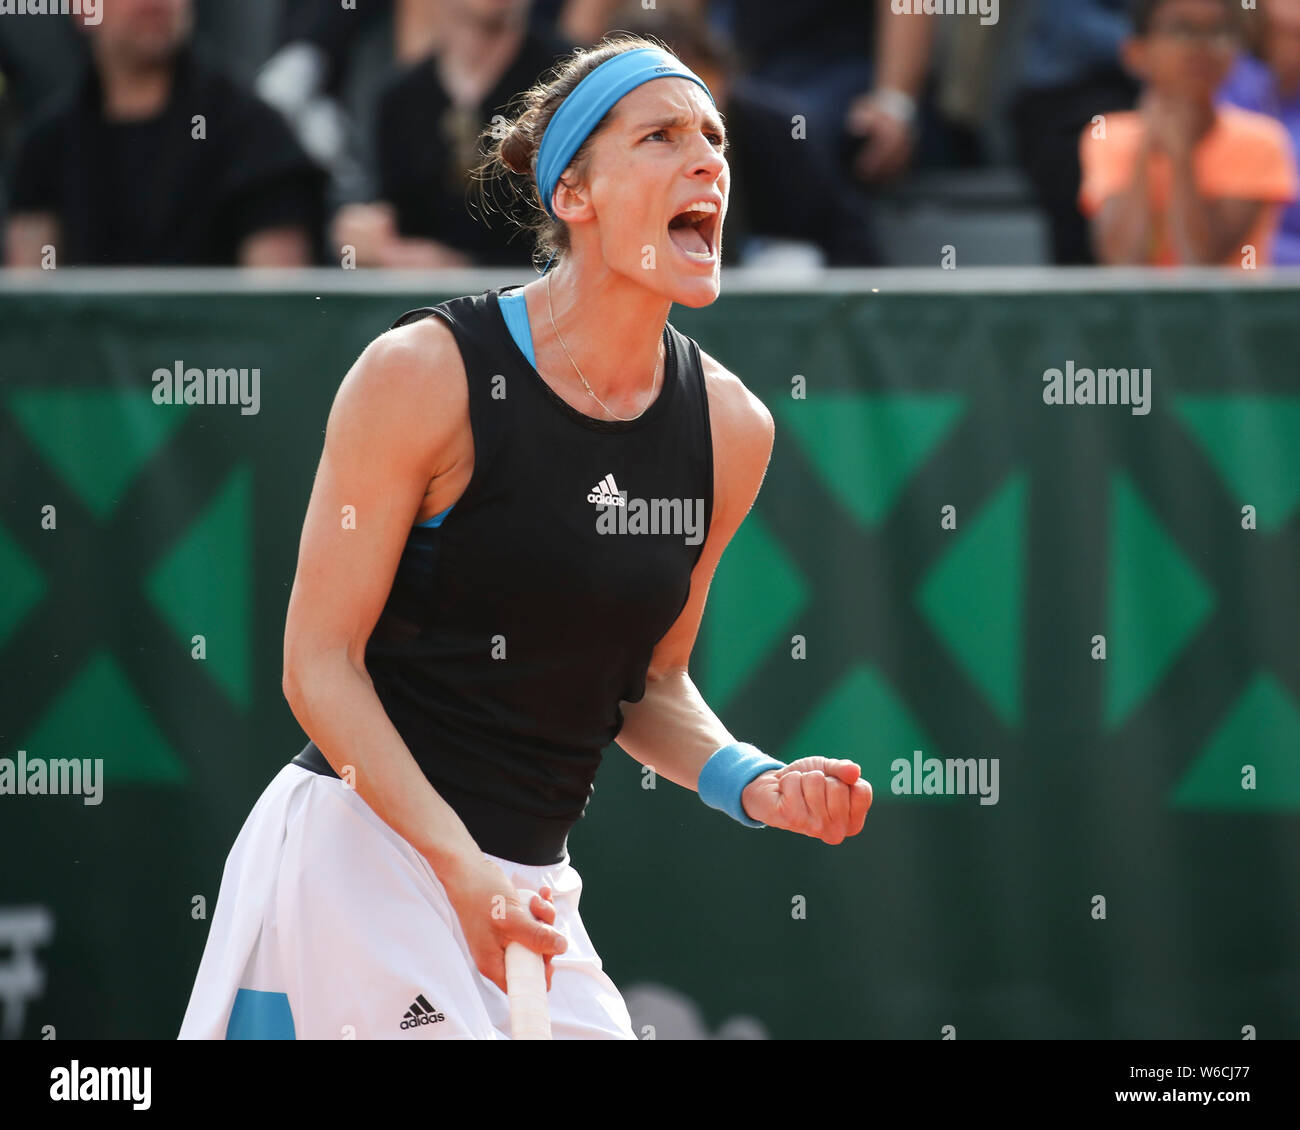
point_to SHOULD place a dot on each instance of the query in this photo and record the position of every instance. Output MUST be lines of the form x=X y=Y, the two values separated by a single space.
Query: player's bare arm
x=672 y=729
x=379 y=468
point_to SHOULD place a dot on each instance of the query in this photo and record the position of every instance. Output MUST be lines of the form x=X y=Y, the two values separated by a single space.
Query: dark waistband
x=521 y=837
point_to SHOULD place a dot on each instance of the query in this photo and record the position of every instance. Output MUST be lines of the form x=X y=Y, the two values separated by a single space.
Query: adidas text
x=421 y=1012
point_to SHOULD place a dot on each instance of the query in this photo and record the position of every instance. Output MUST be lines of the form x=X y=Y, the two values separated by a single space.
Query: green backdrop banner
x=1059 y=637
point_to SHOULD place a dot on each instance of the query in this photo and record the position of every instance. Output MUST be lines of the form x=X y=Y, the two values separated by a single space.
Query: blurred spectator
x=427 y=142
x=1179 y=181
x=1071 y=71
x=36 y=57
x=159 y=159
x=968 y=91
x=333 y=62
x=586 y=21
x=317 y=38
x=1271 y=85
x=854 y=71
x=854 y=68
x=321 y=46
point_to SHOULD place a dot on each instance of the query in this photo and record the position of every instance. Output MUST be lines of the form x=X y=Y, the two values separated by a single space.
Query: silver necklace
x=653 y=378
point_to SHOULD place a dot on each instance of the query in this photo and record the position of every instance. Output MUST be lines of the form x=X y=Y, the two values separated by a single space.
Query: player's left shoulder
x=743 y=432
x=738 y=417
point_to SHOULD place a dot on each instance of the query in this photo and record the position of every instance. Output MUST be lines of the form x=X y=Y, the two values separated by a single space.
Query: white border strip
x=736 y=280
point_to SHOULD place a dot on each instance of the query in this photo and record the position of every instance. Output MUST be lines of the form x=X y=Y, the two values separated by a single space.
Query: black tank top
x=513 y=629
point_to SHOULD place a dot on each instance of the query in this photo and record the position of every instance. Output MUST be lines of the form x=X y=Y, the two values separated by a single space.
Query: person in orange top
x=1179 y=180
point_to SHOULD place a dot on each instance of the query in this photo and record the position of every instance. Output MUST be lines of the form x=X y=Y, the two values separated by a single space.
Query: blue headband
x=591 y=100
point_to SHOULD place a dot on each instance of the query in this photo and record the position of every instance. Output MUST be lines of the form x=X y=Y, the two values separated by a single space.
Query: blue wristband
x=726 y=774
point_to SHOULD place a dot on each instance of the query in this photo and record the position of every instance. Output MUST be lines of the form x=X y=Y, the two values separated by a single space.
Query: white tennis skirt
x=329 y=926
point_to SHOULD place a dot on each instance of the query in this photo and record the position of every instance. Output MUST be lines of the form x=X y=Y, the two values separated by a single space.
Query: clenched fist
x=814 y=796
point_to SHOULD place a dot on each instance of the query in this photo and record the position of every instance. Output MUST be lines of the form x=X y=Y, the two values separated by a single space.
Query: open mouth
x=694 y=230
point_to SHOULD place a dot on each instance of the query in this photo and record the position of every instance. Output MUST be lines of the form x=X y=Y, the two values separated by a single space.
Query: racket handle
x=530 y=1014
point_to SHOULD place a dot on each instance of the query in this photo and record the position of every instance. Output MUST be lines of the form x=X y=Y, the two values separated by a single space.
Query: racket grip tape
x=530 y=1014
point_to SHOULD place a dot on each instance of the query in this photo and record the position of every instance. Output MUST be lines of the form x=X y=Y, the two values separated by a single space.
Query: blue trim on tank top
x=436 y=521
x=515 y=311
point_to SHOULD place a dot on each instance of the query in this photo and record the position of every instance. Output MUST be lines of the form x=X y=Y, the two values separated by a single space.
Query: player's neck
x=611 y=327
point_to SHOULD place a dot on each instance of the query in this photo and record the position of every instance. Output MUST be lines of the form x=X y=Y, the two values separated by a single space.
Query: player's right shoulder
x=418 y=365
x=409 y=383
x=412 y=357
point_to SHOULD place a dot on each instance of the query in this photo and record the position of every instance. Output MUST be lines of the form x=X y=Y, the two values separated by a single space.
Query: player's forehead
x=676 y=101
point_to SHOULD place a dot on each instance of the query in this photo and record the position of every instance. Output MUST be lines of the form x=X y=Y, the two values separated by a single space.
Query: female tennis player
x=472 y=621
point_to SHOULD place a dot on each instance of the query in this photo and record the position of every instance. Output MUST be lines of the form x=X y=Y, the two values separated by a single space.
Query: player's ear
x=571 y=200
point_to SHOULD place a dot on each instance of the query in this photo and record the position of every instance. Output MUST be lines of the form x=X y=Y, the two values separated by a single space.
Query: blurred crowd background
x=862 y=133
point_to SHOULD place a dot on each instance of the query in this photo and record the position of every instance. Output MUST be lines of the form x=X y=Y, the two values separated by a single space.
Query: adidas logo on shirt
x=606 y=493
x=619 y=514
x=421 y=1012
